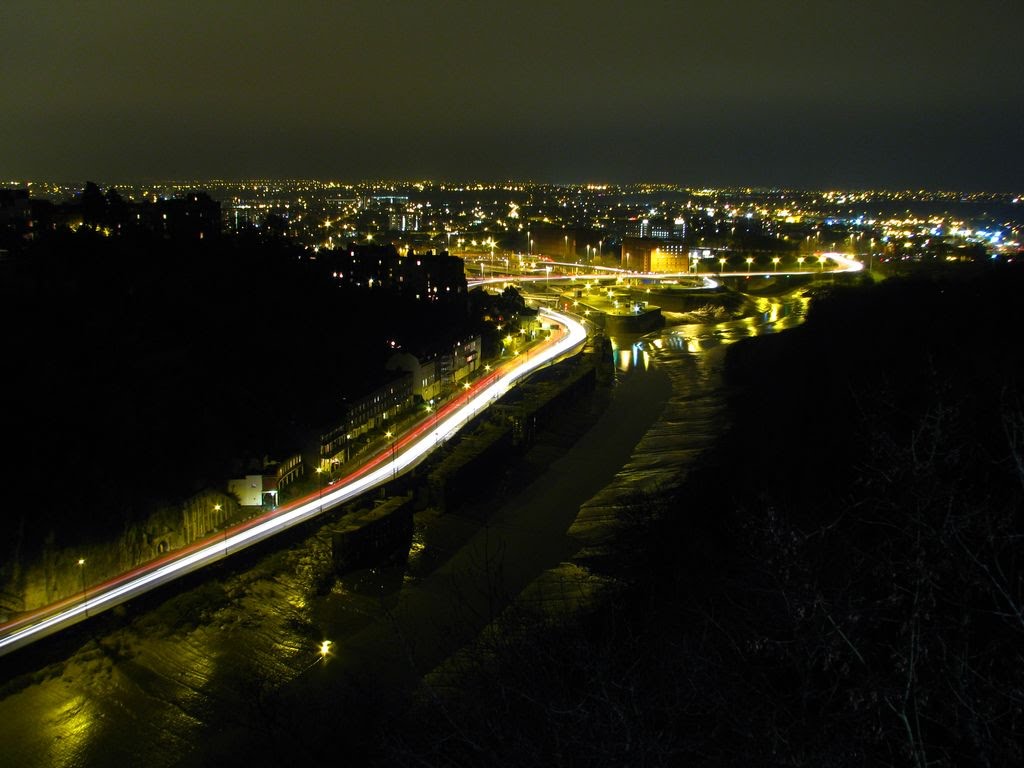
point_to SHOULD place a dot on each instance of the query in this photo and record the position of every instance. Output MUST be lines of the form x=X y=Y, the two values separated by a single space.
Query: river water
x=151 y=693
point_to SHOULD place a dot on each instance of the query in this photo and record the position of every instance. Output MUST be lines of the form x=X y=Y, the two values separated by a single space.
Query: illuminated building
x=658 y=228
x=641 y=254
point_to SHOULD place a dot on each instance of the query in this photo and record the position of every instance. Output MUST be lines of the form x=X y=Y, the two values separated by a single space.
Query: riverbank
x=824 y=615
x=392 y=626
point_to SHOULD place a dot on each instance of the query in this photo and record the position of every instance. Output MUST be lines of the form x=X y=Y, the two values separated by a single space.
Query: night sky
x=813 y=94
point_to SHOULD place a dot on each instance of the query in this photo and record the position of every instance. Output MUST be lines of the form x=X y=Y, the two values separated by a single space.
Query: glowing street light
x=750 y=261
x=85 y=594
x=821 y=263
x=800 y=261
x=775 y=263
x=325 y=649
x=394 y=469
x=721 y=262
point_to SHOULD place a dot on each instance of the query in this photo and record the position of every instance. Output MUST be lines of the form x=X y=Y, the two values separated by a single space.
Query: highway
x=406 y=450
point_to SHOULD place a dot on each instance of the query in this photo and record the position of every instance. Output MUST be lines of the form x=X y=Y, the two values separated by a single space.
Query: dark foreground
x=840 y=584
x=837 y=583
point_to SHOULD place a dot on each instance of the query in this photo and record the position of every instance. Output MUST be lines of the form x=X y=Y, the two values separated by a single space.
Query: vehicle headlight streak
x=217 y=550
x=843 y=264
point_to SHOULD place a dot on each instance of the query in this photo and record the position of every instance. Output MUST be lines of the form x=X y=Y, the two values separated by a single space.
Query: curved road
x=406 y=451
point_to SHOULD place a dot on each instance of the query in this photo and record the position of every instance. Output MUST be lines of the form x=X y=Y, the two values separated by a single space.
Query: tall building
x=403 y=221
x=657 y=227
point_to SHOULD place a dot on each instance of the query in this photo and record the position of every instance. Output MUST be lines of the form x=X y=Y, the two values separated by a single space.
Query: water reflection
x=74 y=720
x=770 y=315
x=629 y=355
x=692 y=355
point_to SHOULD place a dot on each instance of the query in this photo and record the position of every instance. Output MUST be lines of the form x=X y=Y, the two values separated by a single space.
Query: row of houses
x=409 y=382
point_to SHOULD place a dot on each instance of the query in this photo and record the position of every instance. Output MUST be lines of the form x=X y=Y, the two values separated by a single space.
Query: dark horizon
x=835 y=95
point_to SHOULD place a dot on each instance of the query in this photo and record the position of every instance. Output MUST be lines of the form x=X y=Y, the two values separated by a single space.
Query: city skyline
x=703 y=441
x=838 y=95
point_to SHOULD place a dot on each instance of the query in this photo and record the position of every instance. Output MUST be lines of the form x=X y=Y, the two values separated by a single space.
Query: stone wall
x=55 y=573
x=368 y=538
x=468 y=472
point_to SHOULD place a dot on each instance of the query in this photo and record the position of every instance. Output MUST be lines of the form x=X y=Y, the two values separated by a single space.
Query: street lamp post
x=750 y=261
x=394 y=470
x=721 y=262
x=800 y=262
x=217 y=508
x=85 y=594
x=775 y=263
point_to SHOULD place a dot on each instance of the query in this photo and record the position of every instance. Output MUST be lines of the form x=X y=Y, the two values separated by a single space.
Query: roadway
x=404 y=452
x=842 y=264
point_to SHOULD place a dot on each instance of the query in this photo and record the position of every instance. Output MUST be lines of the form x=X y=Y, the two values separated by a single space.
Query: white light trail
x=843 y=264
